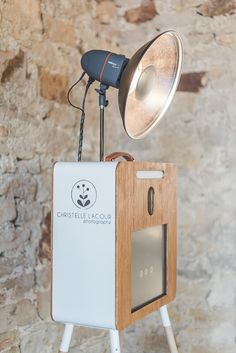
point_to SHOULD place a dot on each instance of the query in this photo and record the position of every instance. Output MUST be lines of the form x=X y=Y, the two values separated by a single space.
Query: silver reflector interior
x=149 y=82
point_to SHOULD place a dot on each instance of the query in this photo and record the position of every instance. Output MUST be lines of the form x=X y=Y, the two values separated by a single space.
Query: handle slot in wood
x=150 y=174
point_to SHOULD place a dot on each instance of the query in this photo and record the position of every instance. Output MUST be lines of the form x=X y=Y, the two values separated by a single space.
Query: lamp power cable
x=82 y=109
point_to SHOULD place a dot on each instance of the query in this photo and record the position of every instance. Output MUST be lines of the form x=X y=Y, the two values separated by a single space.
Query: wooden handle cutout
x=150 y=174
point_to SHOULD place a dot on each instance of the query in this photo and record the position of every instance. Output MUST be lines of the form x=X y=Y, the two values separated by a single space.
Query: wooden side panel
x=132 y=215
x=124 y=226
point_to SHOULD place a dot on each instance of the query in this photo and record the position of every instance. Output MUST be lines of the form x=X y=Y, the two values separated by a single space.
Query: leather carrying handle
x=116 y=155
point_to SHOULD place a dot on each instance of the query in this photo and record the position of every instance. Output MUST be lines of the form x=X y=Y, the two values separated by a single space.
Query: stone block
x=8 y=340
x=7 y=209
x=5 y=57
x=53 y=86
x=43 y=337
x=145 y=12
x=12 y=65
x=43 y=275
x=22 y=18
x=192 y=81
x=45 y=242
x=43 y=54
x=212 y=8
x=14 y=349
x=106 y=12
x=31 y=166
x=59 y=31
x=3 y=131
x=43 y=304
x=20 y=314
x=7 y=165
x=18 y=287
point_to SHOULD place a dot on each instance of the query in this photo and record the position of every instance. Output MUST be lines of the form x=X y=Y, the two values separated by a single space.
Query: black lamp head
x=104 y=66
x=147 y=82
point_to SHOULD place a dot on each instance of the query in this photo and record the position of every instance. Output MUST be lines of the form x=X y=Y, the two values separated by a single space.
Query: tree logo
x=84 y=194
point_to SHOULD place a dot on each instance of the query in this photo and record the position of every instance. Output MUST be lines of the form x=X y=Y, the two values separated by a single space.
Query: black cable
x=82 y=109
x=82 y=119
x=69 y=92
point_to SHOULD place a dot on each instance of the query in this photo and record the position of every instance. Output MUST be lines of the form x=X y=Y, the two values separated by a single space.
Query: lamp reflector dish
x=149 y=82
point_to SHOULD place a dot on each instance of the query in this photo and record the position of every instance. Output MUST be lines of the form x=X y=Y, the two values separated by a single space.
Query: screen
x=148 y=265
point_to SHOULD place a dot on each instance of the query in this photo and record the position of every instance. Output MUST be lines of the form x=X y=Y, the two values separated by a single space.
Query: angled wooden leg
x=168 y=329
x=114 y=341
x=65 y=343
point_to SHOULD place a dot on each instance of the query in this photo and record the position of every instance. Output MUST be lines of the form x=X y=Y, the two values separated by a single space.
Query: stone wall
x=41 y=42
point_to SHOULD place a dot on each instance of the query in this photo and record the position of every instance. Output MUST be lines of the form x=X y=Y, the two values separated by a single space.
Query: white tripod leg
x=168 y=329
x=65 y=343
x=114 y=341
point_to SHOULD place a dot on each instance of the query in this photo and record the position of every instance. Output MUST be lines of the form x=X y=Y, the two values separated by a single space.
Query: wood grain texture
x=132 y=215
x=124 y=226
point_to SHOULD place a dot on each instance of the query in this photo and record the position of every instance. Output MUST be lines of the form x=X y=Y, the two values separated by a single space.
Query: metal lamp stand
x=103 y=102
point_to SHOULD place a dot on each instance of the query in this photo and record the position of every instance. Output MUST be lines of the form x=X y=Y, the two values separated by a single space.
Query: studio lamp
x=146 y=82
x=114 y=222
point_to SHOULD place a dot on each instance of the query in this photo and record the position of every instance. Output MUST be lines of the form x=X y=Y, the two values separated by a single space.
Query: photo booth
x=114 y=221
